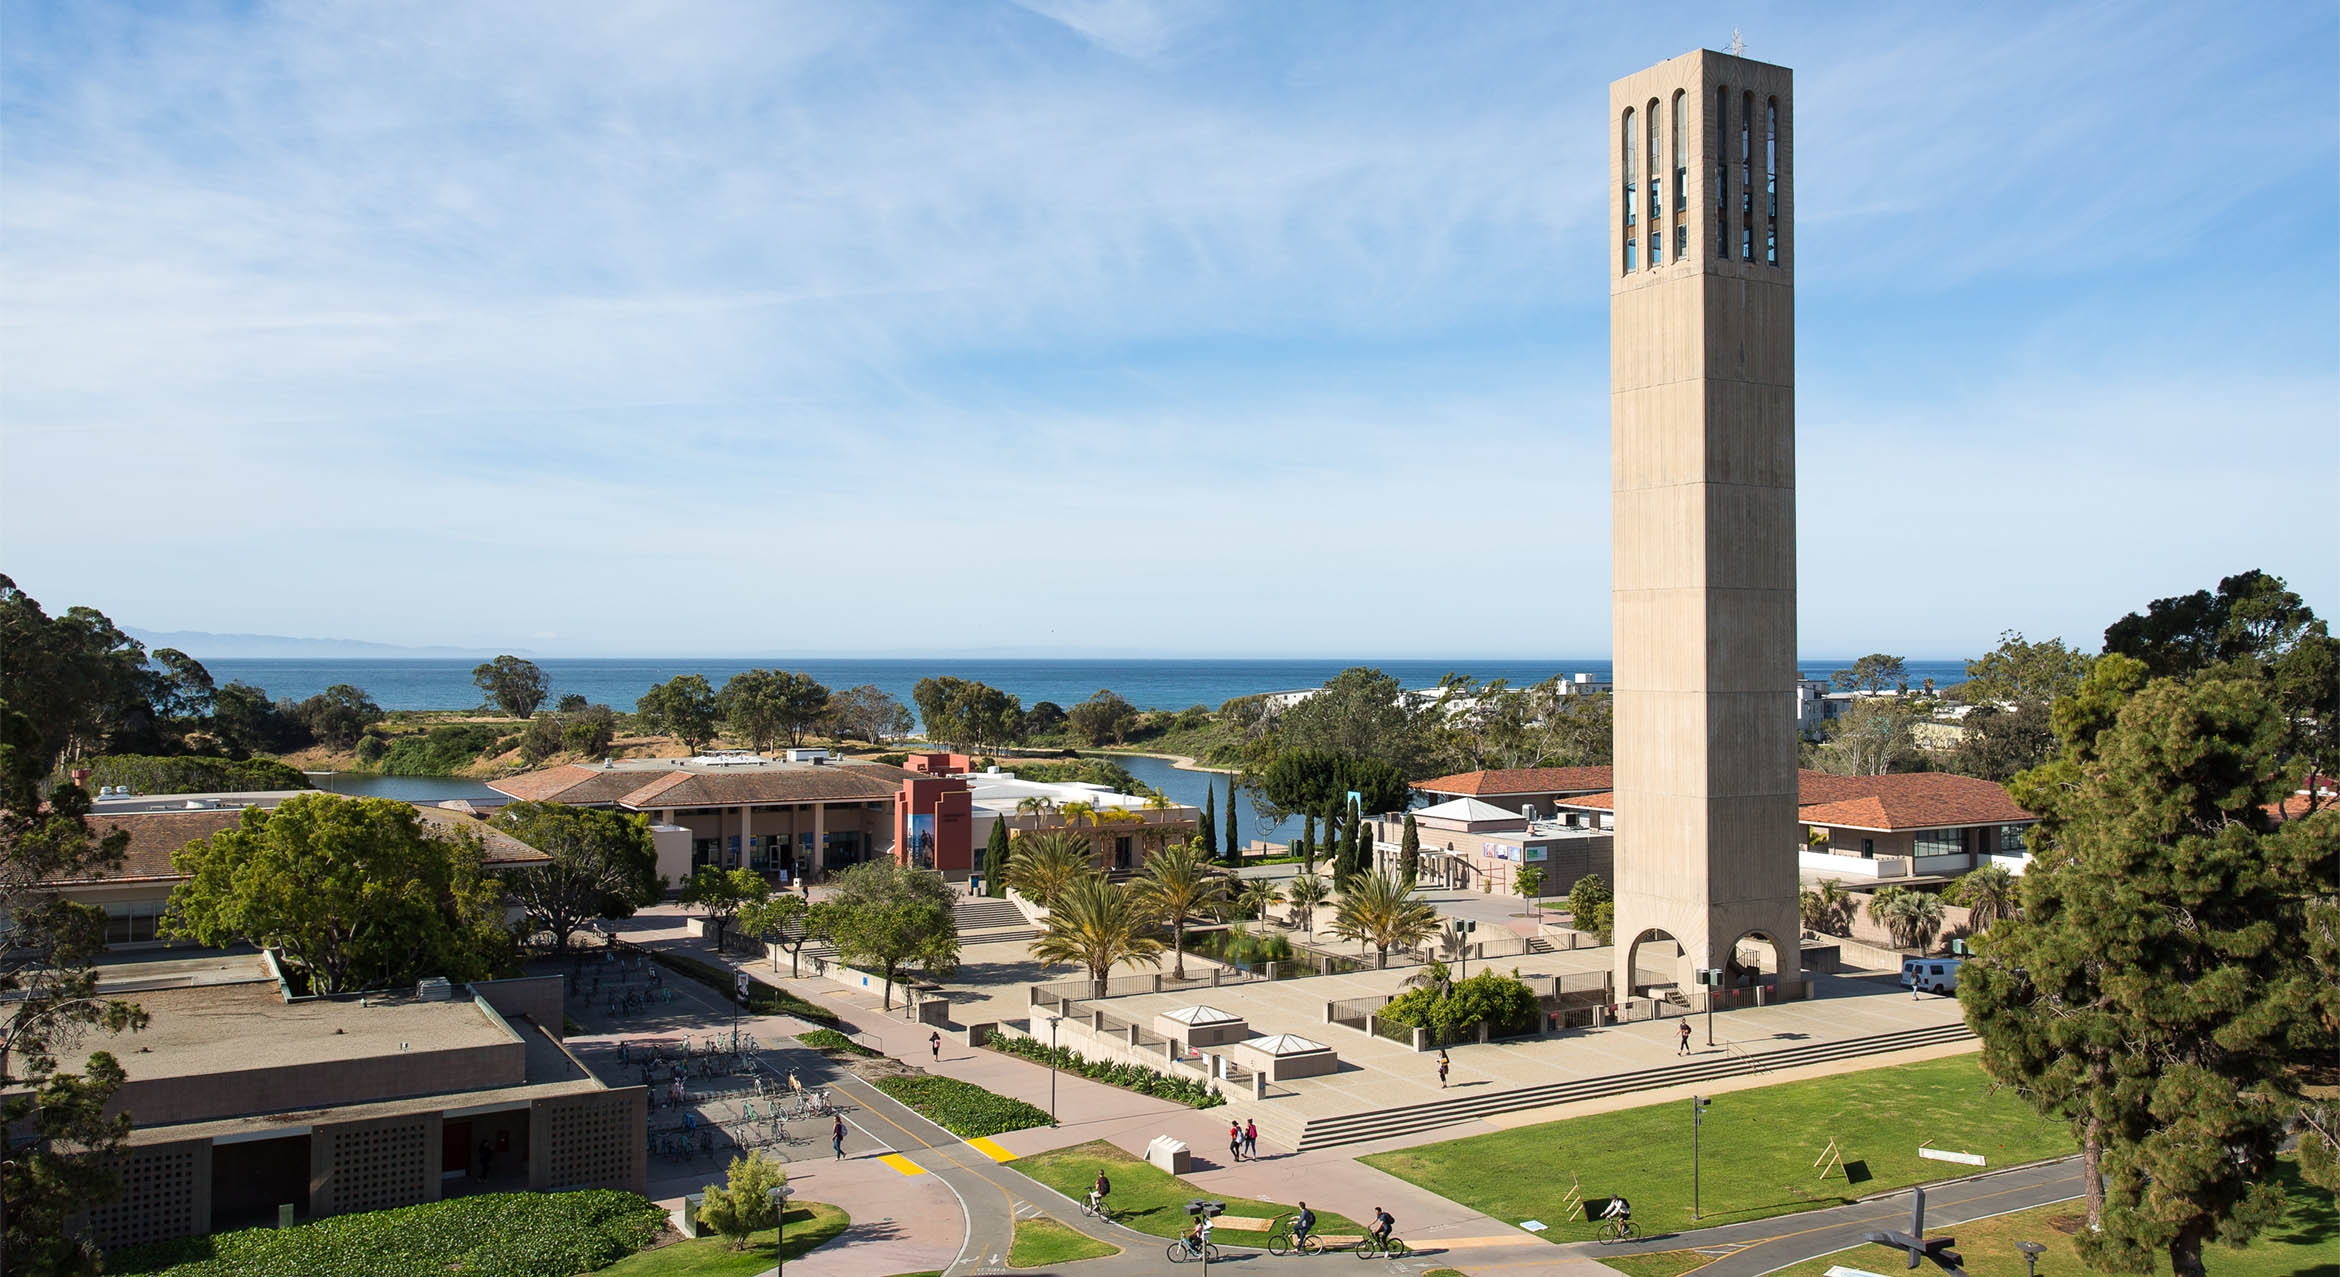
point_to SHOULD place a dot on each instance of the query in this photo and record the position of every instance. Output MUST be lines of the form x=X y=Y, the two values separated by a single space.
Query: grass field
x=1664 y=1263
x=1758 y=1149
x=1042 y=1241
x=1152 y=1200
x=809 y=1224
x=2305 y=1244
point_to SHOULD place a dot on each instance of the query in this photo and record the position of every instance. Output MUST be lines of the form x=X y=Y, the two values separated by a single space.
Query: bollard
x=1215 y=973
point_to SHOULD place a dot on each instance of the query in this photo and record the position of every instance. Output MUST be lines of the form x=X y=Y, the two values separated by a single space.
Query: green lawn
x=1154 y=1201
x=2306 y=1243
x=1664 y=1263
x=809 y=1224
x=1042 y=1241
x=1757 y=1149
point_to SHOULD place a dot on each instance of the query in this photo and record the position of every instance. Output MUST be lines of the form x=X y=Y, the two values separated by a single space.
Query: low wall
x=536 y=997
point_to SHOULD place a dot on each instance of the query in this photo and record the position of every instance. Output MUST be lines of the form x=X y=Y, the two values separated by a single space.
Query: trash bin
x=690 y=1214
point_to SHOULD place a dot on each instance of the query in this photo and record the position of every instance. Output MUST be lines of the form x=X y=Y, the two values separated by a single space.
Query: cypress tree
x=1336 y=855
x=1234 y=845
x=1208 y=831
x=1307 y=847
x=1410 y=852
x=995 y=861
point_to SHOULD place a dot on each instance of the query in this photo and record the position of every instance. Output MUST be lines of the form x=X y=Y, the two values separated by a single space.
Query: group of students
x=1303 y=1222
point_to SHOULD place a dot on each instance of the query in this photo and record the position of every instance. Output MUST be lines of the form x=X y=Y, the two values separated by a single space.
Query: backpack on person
x=1104 y=1186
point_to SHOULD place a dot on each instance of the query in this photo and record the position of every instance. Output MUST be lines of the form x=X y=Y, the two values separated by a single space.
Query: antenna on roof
x=1738 y=44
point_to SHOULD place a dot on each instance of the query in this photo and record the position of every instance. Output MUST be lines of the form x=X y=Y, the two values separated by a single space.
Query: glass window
x=1681 y=156
x=1628 y=256
x=1632 y=163
x=1650 y=150
x=1681 y=242
x=1941 y=842
x=1747 y=179
x=1656 y=248
x=1722 y=173
x=1771 y=181
x=2011 y=839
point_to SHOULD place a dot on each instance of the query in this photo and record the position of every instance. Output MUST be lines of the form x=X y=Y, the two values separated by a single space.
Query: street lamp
x=779 y=1198
x=1697 y=1119
x=2031 y=1253
x=1053 y=1021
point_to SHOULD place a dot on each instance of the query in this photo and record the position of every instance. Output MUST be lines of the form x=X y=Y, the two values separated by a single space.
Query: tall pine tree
x=1307 y=848
x=1208 y=830
x=1234 y=843
x=995 y=861
x=1410 y=852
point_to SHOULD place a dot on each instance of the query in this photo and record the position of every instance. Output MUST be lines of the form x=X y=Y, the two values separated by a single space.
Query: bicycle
x=1371 y=1246
x=1280 y=1240
x=1097 y=1210
x=1184 y=1250
x=1618 y=1230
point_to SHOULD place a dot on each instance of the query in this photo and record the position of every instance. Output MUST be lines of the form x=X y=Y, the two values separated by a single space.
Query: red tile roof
x=1903 y=800
x=647 y=788
x=1521 y=780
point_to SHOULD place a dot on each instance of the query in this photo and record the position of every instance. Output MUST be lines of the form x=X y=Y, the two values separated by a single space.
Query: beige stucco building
x=1702 y=422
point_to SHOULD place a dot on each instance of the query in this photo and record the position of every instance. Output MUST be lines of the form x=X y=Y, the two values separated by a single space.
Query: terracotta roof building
x=1519 y=788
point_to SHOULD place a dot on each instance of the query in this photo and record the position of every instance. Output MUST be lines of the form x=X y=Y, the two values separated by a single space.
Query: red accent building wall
x=952 y=806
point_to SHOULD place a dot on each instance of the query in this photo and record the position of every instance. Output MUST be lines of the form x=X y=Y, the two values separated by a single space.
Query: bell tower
x=1701 y=265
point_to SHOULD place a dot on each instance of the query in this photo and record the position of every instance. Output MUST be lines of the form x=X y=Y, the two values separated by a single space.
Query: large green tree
x=1207 y=828
x=885 y=915
x=1182 y=884
x=355 y=891
x=960 y=712
x=720 y=894
x=1876 y=672
x=513 y=684
x=339 y=715
x=1877 y=735
x=1104 y=717
x=55 y=1140
x=2153 y=990
x=604 y=865
x=1361 y=713
x=1099 y=925
x=867 y=713
x=1308 y=780
x=781 y=918
x=683 y=707
x=996 y=855
x=1380 y=910
x=1234 y=835
x=82 y=685
x=760 y=706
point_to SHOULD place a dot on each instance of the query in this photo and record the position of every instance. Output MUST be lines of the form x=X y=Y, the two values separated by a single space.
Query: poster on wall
x=920 y=840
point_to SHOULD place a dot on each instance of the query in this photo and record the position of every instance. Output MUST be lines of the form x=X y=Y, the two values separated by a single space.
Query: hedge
x=193 y=774
x=963 y=1108
x=488 y=1235
x=831 y=1040
x=763 y=999
x=1509 y=1005
x=1127 y=1076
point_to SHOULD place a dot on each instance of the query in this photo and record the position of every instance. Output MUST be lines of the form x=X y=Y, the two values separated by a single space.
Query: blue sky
x=1118 y=327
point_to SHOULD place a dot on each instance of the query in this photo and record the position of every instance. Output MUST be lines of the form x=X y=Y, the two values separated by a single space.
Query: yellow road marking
x=991 y=1150
x=903 y=1164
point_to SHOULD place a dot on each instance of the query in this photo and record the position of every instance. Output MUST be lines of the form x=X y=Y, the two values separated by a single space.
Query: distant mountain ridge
x=203 y=645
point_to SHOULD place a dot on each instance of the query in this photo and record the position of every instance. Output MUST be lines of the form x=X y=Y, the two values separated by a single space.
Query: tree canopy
x=1876 y=672
x=355 y=891
x=867 y=713
x=683 y=707
x=1098 y=925
x=1307 y=780
x=1359 y=713
x=960 y=712
x=512 y=684
x=339 y=714
x=760 y=706
x=1104 y=717
x=604 y=865
x=883 y=915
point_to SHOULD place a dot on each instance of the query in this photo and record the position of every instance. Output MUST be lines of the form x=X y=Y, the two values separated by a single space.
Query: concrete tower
x=1702 y=323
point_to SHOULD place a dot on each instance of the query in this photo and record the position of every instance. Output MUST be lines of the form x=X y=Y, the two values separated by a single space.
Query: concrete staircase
x=1357 y=1128
x=983 y=914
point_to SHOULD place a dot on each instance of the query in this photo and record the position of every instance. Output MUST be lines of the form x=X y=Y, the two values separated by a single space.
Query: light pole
x=1713 y=986
x=779 y=1198
x=1053 y=1021
x=2031 y=1253
x=1697 y=1119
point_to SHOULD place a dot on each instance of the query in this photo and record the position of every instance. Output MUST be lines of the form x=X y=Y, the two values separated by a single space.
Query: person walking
x=837 y=1138
x=1442 y=1067
x=934 y=1044
x=1251 y=1139
x=1682 y=1041
x=1235 y=1141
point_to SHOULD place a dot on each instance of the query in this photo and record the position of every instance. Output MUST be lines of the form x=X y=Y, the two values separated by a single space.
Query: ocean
x=1149 y=684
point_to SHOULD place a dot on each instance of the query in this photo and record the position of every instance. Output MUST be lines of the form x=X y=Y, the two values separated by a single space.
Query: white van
x=1934 y=975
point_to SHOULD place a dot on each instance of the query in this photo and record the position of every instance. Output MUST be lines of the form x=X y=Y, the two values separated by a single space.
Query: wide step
x=1356 y=1128
x=984 y=914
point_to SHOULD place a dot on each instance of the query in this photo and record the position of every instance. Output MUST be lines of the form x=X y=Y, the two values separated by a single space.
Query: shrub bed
x=763 y=999
x=831 y=1040
x=1503 y=1002
x=489 y=1235
x=1127 y=1076
x=963 y=1108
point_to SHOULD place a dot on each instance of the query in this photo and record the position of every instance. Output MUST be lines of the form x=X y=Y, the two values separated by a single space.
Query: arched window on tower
x=1722 y=174
x=1747 y=179
x=1771 y=180
x=1681 y=154
x=1655 y=169
x=1631 y=147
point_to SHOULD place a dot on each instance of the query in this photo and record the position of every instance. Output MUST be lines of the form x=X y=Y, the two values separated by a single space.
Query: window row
x=1645 y=179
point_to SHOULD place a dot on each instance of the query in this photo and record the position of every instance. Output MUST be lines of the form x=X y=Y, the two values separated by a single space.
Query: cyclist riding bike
x=1383 y=1225
x=1097 y=1192
x=1619 y=1208
x=1303 y=1224
x=1198 y=1238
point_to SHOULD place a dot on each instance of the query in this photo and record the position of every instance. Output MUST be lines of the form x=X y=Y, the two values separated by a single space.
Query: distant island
x=205 y=646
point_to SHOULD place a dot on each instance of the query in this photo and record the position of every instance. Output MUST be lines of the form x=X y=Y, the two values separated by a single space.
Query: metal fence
x=1353 y=1012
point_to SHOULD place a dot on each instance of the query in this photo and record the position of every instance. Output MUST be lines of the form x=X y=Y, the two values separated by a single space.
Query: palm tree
x=1435 y=977
x=1379 y=909
x=1834 y=905
x=1043 y=865
x=1989 y=894
x=1098 y=926
x=1036 y=805
x=1077 y=811
x=1911 y=917
x=1306 y=895
x=1179 y=884
x=1257 y=897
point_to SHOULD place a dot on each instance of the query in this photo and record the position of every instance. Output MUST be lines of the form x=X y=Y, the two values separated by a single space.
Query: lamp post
x=1697 y=1119
x=1713 y=986
x=2031 y=1253
x=779 y=1198
x=1053 y=1021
